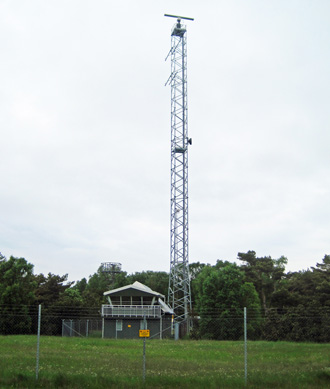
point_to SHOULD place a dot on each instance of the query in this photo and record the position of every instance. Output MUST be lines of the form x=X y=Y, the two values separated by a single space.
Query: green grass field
x=98 y=363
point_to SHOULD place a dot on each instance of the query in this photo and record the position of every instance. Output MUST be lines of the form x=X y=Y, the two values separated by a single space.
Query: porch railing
x=131 y=311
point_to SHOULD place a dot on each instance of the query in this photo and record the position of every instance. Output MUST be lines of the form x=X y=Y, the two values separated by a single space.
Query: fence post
x=38 y=342
x=176 y=331
x=245 y=348
x=144 y=349
x=87 y=328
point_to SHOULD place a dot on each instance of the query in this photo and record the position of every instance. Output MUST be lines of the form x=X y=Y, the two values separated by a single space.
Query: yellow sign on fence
x=144 y=333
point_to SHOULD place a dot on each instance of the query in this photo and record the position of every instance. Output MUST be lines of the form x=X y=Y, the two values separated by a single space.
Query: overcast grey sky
x=85 y=132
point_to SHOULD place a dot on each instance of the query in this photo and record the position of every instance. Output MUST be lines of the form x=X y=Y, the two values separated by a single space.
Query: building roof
x=136 y=287
x=139 y=289
x=165 y=307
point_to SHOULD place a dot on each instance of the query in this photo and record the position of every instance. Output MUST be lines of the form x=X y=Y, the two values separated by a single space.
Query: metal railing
x=131 y=311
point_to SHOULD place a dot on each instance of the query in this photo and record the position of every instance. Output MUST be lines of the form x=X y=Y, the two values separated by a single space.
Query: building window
x=119 y=325
x=142 y=325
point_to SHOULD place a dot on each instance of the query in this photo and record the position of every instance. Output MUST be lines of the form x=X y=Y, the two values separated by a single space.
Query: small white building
x=129 y=307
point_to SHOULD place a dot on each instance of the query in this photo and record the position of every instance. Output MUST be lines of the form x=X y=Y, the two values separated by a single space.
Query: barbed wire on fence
x=290 y=324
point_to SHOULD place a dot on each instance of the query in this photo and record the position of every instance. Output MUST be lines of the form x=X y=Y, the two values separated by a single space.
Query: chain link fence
x=55 y=321
x=301 y=324
x=82 y=327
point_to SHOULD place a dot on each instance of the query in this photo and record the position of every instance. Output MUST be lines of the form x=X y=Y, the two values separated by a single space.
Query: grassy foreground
x=97 y=363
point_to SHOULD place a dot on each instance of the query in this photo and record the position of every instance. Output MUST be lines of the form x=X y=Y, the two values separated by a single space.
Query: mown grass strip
x=95 y=363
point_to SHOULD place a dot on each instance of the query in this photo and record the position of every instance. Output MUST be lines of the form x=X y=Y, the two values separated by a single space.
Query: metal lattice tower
x=179 y=296
x=112 y=269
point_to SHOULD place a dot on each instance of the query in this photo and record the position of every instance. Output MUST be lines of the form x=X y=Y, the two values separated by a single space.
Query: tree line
x=280 y=305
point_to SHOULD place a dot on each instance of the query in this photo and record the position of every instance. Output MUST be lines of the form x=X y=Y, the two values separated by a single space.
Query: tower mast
x=179 y=295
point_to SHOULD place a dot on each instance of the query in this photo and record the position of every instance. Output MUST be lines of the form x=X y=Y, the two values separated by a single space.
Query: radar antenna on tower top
x=178 y=17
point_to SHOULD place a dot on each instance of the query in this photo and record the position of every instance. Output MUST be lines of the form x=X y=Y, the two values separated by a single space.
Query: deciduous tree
x=221 y=294
x=17 y=292
x=265 y=273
